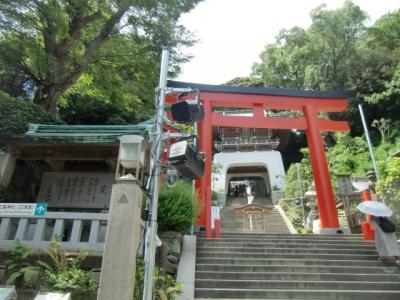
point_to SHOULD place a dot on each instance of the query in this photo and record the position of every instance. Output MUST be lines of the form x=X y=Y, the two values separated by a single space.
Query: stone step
x=297 y=284
x=269 y=229
x=295 y=240
x=266 y=223
x=285 y=261
x=278 y=265
x=240 y=230
x=297 y=276
x=220 y=293
x=303 y=246
x=309 y=255
x=302 y=236
x=284 y=250
x=233 y=216
x=231 y=212
x=388 y=268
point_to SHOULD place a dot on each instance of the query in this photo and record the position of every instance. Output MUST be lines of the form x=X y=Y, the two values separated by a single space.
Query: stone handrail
x=79 y=230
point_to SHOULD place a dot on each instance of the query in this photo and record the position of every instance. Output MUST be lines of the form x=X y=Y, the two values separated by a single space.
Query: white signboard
x=76 y=189
x=177 y=149
x=23 y=209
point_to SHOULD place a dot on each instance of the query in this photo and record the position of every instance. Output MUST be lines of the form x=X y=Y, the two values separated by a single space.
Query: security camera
x=171 y=177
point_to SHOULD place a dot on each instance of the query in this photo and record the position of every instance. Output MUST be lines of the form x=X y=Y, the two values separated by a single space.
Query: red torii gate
x=260 y=99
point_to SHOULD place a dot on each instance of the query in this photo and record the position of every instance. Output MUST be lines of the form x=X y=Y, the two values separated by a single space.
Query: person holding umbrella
x=385 y=236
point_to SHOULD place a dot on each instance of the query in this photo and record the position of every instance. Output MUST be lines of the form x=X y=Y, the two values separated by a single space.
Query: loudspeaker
x=187 y=112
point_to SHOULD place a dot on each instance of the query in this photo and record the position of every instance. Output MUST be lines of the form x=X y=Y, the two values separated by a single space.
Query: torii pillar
x=323 y=187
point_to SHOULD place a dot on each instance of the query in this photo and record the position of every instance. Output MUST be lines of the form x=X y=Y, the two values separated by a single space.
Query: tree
x=386 y=102
x=322 y=57
x=15 y=114
x=245 y=81
x=54 y=42
x=283 y=64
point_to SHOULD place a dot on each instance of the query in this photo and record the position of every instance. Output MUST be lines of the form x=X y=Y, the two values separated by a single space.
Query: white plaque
x=177 y=149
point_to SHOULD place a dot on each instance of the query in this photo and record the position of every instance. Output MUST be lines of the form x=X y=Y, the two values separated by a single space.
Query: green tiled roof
x=78 y=134
x=87 y=130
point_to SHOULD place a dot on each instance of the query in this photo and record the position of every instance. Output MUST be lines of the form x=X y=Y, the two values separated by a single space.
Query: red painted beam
x=329 y=125
x=273 y=102
x=258 y=121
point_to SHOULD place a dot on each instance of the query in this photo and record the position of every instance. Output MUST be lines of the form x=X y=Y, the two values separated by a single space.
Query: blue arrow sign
x=40 y=209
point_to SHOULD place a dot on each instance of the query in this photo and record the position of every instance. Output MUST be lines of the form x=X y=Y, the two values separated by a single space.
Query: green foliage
x=246 y=81
x=389 y=184
x=15 y=114
x=89 y=110
x=338 y=51
x=116 y=44
x=176 y=208
x=292 y=187
x=321 y=57
x=349 y=155
x=63 y=273
x=217 y=168
x=214 y=195
x=165 y=285
x=294 y=212
x=387 y=100
x=19 y=268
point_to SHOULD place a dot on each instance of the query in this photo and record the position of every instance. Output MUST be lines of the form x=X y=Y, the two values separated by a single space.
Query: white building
x=264 y=168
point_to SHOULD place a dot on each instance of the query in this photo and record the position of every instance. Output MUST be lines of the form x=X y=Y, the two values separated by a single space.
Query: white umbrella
x=374 y=208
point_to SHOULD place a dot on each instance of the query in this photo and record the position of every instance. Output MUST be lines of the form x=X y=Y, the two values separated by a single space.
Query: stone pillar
x=310 y=196
x=7 y=166
x=117 y=278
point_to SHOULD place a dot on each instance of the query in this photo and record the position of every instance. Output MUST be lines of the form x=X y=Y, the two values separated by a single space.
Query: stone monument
x=118 y=270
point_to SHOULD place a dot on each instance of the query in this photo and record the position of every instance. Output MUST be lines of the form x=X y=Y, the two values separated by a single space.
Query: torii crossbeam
x=307 y=103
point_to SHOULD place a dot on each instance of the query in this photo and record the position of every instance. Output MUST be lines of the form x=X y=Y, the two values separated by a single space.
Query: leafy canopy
x=15 y=114
x=52 y=43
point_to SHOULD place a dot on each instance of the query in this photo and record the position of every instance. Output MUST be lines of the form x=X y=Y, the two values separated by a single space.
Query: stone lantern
x=311 y=197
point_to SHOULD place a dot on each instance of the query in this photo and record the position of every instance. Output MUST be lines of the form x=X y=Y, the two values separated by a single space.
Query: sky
x=233 y=33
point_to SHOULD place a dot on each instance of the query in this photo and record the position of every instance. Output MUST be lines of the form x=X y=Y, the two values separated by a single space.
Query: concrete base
x=330 y=231
x=117 y=278
x=187 y=267
x=53 y=296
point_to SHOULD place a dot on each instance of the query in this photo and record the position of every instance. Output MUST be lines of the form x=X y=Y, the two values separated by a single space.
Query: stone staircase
x=271 y=222
x=277 y=265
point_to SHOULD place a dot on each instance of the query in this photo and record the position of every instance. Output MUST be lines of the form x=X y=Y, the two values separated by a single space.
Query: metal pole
x=301 y=193
x=371 y=151
x=156 y=152
x=196 y=148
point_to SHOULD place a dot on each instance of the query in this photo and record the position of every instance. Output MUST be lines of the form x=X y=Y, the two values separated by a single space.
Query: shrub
x=19 y=268
x=176 y=209
x=63 y=273
x=15 y=114
x=294 y=213
x=165 y=286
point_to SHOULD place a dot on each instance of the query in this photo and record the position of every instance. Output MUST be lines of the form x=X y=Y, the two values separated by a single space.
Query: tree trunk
x=47 y=96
